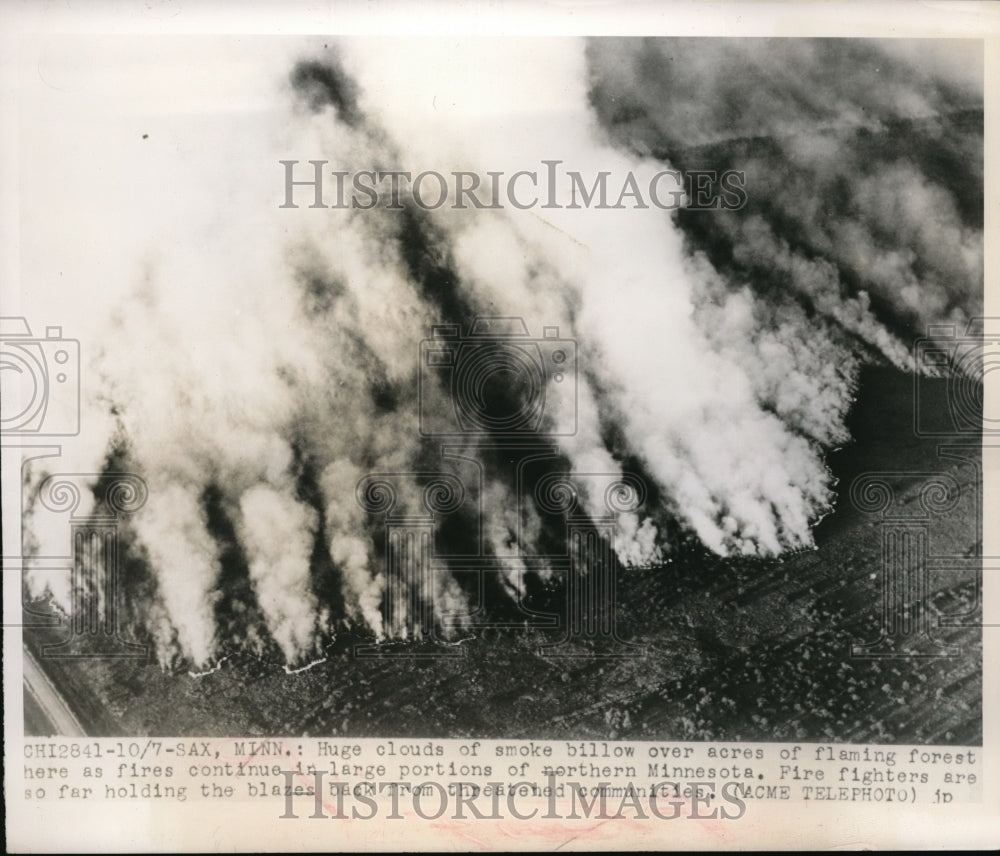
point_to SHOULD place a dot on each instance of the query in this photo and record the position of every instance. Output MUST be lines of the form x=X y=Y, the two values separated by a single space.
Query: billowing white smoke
x=735 y=472
x=260 y=344
x=194 y=364
x=278 y=534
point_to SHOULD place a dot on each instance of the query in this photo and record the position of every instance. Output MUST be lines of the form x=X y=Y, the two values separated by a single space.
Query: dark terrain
x=735 y=649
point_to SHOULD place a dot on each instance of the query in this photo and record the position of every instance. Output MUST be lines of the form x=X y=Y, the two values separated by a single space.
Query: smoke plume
x=261 y=362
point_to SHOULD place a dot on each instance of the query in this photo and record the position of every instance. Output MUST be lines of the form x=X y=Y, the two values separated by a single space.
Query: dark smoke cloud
x=324 y=84
x=863 y=159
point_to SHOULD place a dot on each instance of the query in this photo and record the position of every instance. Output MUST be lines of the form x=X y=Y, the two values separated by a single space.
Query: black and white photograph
x=450 y=396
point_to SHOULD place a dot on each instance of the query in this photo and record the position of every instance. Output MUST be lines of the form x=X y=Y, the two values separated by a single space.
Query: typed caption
x=310 y=778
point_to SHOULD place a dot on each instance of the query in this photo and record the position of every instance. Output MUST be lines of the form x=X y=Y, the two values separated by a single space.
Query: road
x=60 y=718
